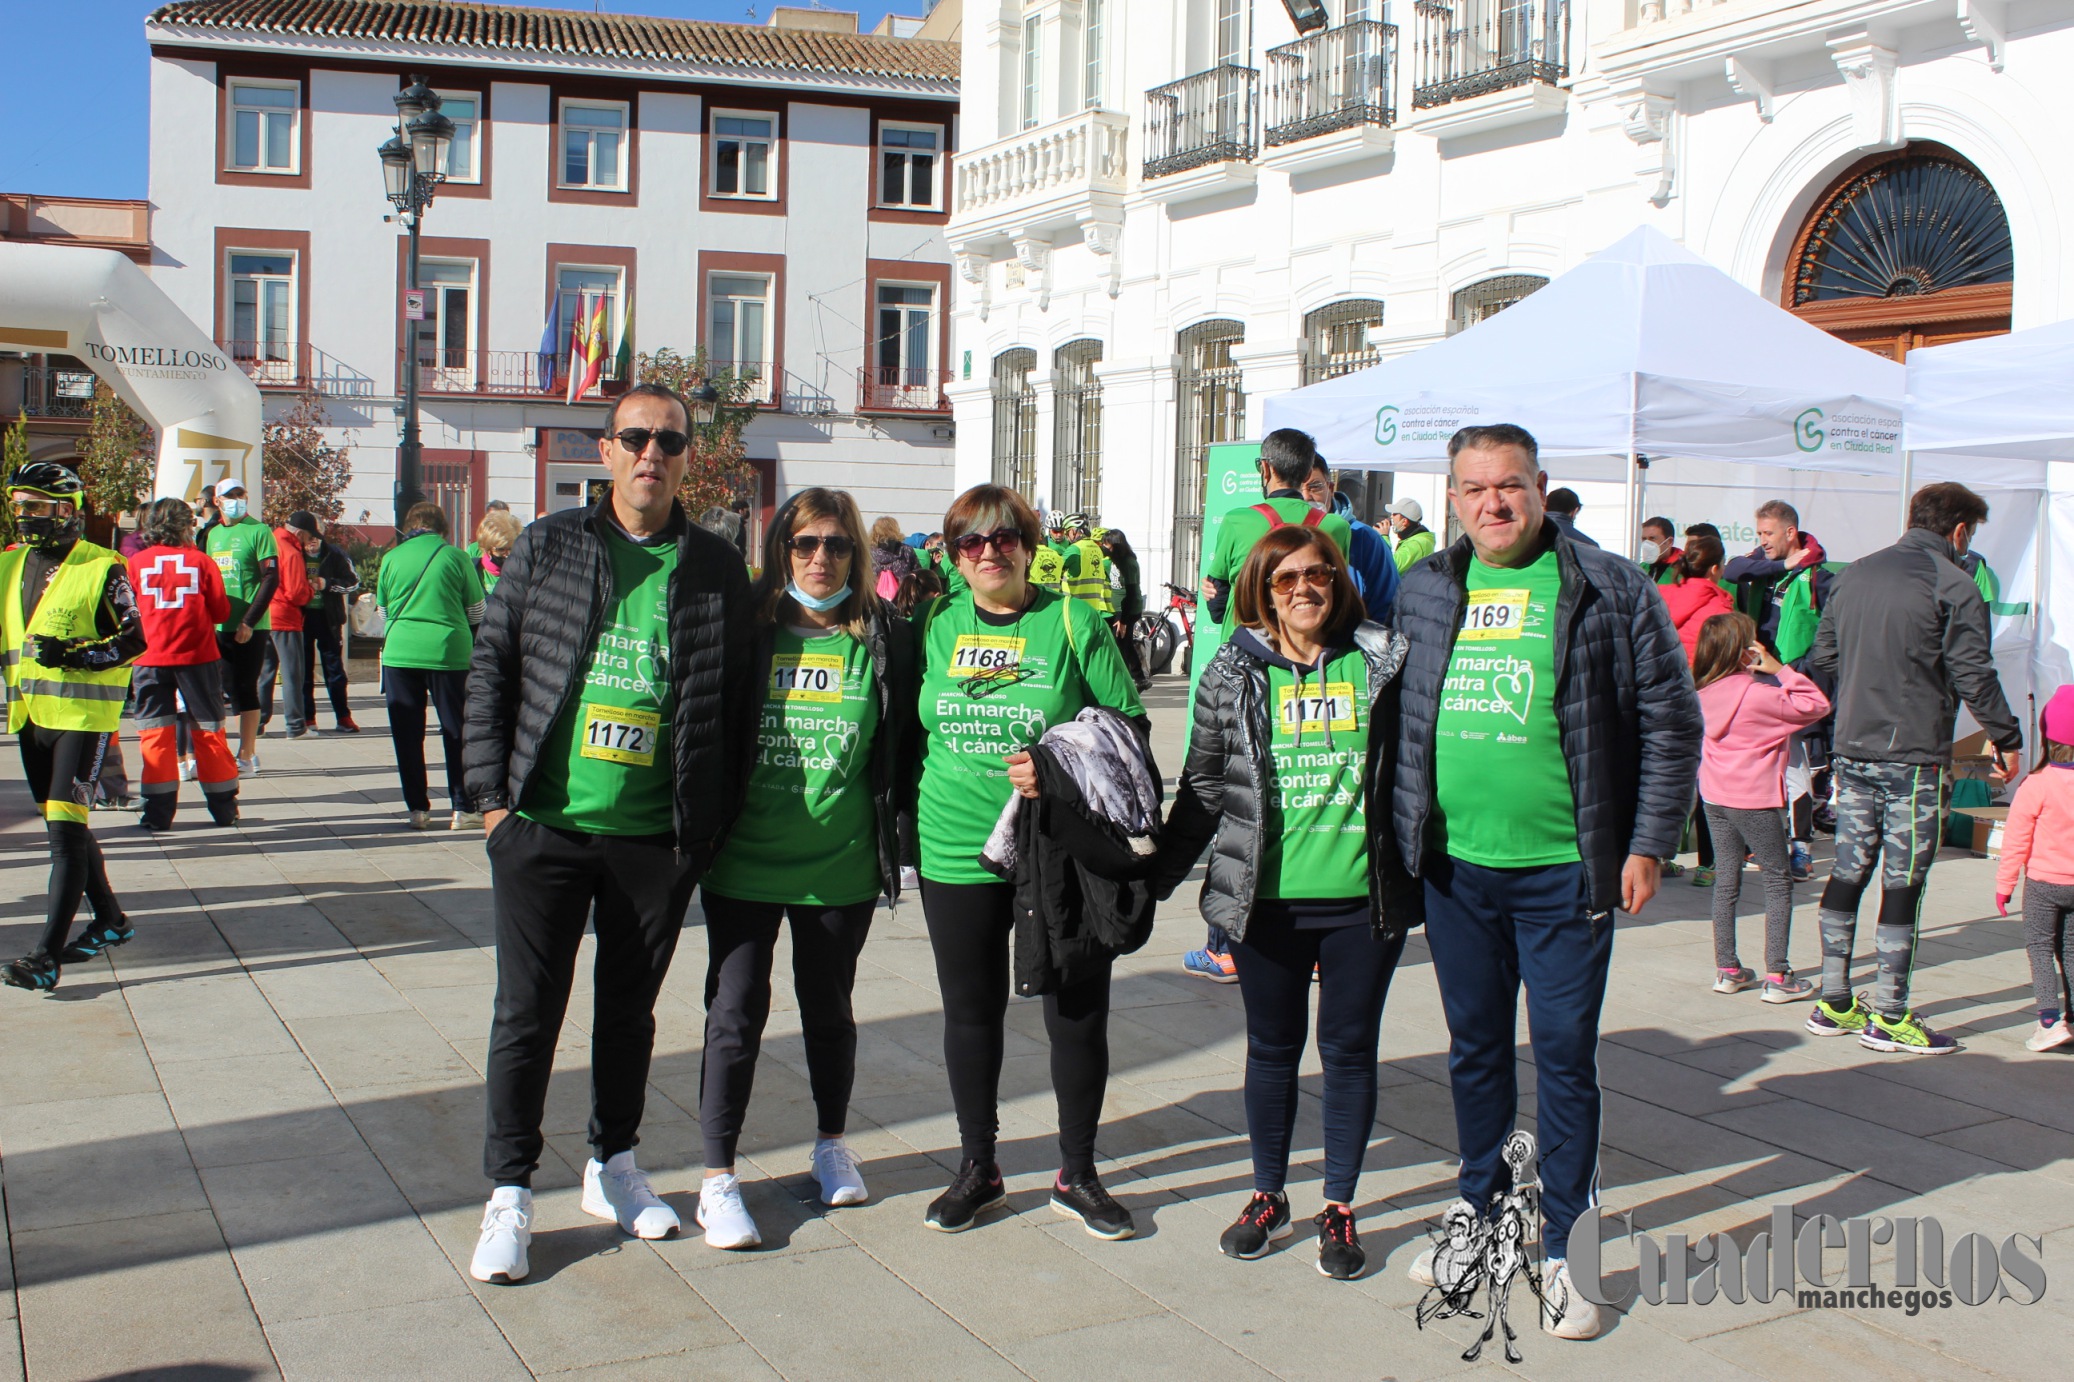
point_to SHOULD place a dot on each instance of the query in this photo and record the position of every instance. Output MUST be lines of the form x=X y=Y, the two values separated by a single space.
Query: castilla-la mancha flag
x=588 y=340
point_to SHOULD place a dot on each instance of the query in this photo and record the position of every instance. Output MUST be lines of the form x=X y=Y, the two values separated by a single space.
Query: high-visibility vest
x=1092 y=584
x=59 y=697
x=1047 y=567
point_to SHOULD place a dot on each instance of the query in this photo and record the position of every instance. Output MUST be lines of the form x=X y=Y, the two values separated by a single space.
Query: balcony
x=1331 y=97
x=897 y=389
x=50 y=392
x=297 y=368
x=1482 y=64
x=497 y=374
x=1202 y=132
x=1039 y=180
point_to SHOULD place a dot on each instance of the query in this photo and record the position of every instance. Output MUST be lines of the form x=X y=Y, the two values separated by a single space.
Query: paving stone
x=435 y=1338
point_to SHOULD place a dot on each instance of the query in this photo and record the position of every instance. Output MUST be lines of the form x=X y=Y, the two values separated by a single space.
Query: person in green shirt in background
x=475 y=548
x=815 y=842
x=1001 y=664
x=1413 y=538
x=1287 y=457
x=243 y=549
x=494 y=537
x=432 y=602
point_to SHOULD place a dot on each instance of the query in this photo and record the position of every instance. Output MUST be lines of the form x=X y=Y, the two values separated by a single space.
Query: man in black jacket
x=607 y=726
x=1548 y=742
x=1905 y=636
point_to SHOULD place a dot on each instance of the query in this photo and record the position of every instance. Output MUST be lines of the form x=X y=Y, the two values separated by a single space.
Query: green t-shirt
x=965 y=736
x=1413 y=549
x=426 y=588
x=807 y=832
x=1243 y=527
x=1316 y=823
x=605 y=766
x=238 y=549
x=1501 y=784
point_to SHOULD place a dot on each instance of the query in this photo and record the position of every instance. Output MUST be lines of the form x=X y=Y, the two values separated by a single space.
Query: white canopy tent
x=1644 y=351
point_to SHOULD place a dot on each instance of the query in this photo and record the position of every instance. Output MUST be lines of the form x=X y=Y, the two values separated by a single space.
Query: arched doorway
x=1905 y=249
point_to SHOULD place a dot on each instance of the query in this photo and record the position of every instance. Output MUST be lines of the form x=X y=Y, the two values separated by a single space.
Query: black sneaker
x=976 y=1190
x=1261 y=1224
x=1083 y=1198
x=1339 y=1247
x=97 y=938
x=36 y=972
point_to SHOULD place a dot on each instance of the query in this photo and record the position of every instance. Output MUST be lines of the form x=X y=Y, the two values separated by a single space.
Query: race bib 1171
x=1310 y=713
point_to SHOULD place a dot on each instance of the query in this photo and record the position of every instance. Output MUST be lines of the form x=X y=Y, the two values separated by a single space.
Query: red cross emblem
x=162 y=581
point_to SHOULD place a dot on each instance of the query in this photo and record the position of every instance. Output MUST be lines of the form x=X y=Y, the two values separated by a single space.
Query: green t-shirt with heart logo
x=605 y=766
x=807 y=832
x=1501 y=785
x=991 y=685
x=1316 y=823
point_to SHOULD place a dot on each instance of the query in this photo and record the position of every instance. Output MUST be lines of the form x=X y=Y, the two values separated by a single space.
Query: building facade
x=1170 y=209
x=773 y=195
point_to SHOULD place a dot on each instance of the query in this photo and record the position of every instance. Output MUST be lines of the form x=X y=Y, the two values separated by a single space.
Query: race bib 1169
x=1494 y=614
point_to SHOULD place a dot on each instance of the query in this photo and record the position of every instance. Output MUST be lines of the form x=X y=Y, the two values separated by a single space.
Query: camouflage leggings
x=1889 y=813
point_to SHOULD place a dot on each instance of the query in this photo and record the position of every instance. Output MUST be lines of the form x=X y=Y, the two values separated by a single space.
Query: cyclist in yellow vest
x=1087 y=566
x=69 y=628
x=1048 y=561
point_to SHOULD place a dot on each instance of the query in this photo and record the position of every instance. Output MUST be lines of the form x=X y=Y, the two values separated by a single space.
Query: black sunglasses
x=636 y=439
x=806 y=544
x=1007 y=541
x=980 y=685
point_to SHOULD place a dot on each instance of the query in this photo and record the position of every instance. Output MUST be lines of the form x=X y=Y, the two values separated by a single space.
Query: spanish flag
x=579 y=349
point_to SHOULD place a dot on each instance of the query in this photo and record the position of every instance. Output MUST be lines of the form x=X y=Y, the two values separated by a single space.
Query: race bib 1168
x=974 y=653
x=1494 y=614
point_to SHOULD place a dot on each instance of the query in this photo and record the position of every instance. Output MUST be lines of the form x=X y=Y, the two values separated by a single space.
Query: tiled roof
x=517 y=28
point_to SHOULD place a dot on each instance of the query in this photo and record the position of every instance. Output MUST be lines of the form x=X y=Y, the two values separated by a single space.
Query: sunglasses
x=806 y=544
x=983 y=684
x=1316 y=577
x=1006 y=541
x=636 y=439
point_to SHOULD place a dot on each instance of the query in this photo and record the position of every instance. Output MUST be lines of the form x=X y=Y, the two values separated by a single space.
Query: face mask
x=1319 y=505
x=806 y=601
x=48 y=530
x=1651 y=551
x=232 y=509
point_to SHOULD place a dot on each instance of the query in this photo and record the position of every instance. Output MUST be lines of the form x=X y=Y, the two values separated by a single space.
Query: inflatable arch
x=99 y=307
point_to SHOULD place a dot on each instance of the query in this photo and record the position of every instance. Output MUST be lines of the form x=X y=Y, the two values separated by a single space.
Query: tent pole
x=1630 y=542
x=1908 y=484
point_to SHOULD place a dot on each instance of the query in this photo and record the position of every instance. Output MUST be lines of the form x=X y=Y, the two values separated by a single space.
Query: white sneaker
x=1564 y=1313
x=418 y=820
x=187 y=770
x=2050 y=1038
x=619 y=1190
x=467 y=820
x=835 y=1169
x=910 y=879
x=507 y=1229
x=248 y=766
x=723 y=1216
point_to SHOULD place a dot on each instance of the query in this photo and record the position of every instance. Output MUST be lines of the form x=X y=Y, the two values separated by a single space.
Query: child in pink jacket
x=2038 y=844
x=1752 y=706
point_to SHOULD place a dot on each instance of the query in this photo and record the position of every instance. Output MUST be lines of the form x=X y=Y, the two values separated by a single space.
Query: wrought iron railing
x=898 y=389
x=501 y=373
x=298 y=366
x=1211 y=117
x=1332 y=80
x=52 y=392
x=1468 y=48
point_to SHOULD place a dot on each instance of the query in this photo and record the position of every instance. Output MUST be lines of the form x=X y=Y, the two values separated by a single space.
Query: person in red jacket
x=1696 y=596
x=290 y=596
x=181 y=598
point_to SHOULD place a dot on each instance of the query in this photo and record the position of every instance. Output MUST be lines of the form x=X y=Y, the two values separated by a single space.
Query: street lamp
x=705 y=402
x=413 y=166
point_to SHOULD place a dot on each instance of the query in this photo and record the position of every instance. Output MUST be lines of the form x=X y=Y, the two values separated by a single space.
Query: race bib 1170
x=815 y=678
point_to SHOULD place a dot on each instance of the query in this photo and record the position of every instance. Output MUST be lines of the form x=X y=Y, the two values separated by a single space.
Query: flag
x=623 y=363
x=579 y=351
x=550 y=342
x=594 y=348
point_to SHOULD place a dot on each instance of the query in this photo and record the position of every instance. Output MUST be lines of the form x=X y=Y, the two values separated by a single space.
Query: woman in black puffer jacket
x=1295 y=719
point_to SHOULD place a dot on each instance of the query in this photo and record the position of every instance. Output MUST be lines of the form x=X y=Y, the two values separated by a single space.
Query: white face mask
x=1652 y=550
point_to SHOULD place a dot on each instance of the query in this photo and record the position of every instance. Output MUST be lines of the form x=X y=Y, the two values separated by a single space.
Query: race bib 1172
x=1494 y=614
x=618 y=734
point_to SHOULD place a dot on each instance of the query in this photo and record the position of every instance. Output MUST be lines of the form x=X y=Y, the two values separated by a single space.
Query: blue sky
x=75 y=90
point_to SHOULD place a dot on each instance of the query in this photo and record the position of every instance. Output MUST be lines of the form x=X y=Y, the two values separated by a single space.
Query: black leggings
x=741 y=937
x=969 y=927
x=408 y=691
x=62 y=766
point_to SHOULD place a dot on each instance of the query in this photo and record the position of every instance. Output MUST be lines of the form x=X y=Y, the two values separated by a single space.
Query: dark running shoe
x=1261 y=1224
x=96 y=939
x=1339 y=1247
x=36 y=972
x=1083 y=1198
x=976 y=1190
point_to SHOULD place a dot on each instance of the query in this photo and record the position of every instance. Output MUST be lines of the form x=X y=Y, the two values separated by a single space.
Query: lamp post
x=413 y=166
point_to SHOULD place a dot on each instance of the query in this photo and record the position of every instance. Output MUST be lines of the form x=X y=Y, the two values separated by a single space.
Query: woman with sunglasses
x=815 y=841
x=1294 y=723
x=1002 y=661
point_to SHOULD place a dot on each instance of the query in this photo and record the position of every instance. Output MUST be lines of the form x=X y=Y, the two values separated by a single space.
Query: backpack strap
x=1312 y=518
x=1267 y=511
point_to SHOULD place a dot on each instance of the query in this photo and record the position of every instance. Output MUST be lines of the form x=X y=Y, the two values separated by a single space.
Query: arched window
x=1076 y=437
x=1210 y=402
x=1906 y=249
x=1487 y=299
x=1335 y=339
x=1015 y=421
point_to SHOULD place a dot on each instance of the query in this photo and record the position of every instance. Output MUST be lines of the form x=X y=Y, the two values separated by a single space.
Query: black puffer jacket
x=1223 y=787
x=890 y=642
x=1630 y=720
x=536 y=640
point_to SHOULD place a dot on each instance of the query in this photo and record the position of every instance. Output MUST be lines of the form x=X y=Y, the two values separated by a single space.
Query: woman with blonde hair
x=494 y=537
x=814 y=843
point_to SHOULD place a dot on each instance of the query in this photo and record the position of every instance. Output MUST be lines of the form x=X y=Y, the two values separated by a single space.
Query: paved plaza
x=248 y=1144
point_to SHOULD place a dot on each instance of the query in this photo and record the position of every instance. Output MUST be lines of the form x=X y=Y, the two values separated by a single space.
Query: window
x=1076 y=444
x=908 y=158
x=442 y=342
x=1490 y=297
x=463 y=162
x=903 y=354
x=1210 y=397
x=583 y=292
x=738 y=330
x=1232 y=47
x=263 y=127
x=1091 y=66
x=594 y=146
x=1015 y=421
x=262 y=312
x=1033 y=71
x=1335 y=339
x=745 y=155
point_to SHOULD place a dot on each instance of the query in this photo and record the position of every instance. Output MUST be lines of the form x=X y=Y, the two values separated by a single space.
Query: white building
x=1168 y=209
x=775 y=195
